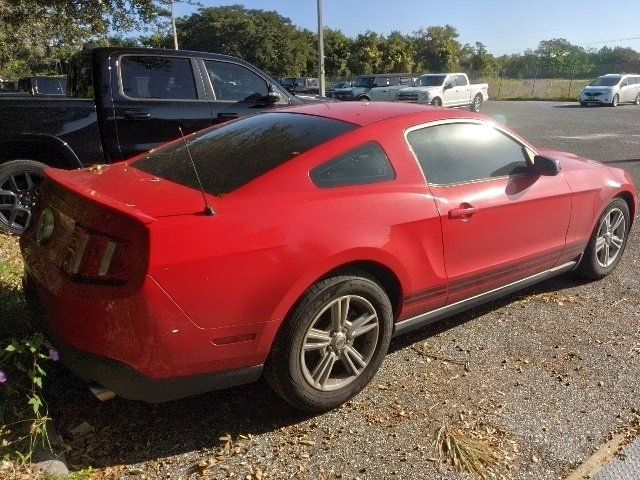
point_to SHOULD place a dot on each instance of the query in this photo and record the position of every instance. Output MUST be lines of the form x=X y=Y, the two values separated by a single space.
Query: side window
x=363 y=165
x=464 y=152
x=155 y=77
x=394 y=80
x=234 y=82
x=461 y=81
x=624 y=83
x=450 y=81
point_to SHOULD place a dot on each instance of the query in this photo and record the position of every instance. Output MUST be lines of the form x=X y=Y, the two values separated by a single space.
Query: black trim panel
x=434 y=315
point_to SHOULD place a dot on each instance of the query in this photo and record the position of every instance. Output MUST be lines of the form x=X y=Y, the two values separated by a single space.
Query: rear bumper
x=125 y=378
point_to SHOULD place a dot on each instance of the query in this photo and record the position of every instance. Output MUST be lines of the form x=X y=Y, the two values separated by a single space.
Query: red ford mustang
x=328 y=229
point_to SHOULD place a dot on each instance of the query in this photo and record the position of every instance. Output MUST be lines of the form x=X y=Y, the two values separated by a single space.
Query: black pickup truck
x=120 y=102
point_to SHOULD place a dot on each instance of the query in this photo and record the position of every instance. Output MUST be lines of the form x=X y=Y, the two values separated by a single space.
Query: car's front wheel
x=332 y=344
x=615 y=100
x=607 y=242
x=436 y=102
x=637 y=100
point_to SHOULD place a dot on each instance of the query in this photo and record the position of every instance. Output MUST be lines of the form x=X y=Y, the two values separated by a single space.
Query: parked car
x=295 y=244
x=43 y=85
x=382 y=87
x=612 y=89
x=446 y=90
x=124 y=101
x=301 y=85
x=331 y=89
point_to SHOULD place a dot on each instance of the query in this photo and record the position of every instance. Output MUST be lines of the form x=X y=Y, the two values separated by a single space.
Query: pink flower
x=3 y=377
x=53 y=354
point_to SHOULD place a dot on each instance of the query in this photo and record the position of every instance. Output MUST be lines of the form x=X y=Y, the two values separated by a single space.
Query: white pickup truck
x=445 y=90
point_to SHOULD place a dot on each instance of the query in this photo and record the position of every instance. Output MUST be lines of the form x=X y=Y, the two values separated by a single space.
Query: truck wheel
x=364 y=99
x=333 y=344
x=436 y=102
x=19 y=182
x=477 y=102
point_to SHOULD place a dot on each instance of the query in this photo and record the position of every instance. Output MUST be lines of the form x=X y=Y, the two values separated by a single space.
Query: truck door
x=156 y=95
x=237 y=91
x=462 y=90
x=448 y=91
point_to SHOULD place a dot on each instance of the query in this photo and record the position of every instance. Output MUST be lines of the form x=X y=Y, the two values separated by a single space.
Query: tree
x=477 y=60
x=367 y=53
x=38 y=36
x=337 y=53
x=398 y=54
x=263 y=38
x=438 y=48
x=558 y=57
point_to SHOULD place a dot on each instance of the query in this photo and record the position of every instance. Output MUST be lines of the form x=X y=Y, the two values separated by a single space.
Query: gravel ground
x=542 y=377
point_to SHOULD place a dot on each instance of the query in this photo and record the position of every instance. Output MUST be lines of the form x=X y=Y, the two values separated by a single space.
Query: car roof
x=365 y=113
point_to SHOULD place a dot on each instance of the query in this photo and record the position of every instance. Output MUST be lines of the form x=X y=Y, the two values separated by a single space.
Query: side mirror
x=546 y=166
x=272 y=97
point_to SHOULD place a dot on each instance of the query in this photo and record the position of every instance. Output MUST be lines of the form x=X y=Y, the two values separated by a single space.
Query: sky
x=503 y=26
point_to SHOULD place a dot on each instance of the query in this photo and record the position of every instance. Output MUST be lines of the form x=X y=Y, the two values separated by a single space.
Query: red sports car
x=295 y=244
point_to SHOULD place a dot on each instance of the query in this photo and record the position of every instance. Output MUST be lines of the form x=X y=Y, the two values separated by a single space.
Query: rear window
x=232 y=155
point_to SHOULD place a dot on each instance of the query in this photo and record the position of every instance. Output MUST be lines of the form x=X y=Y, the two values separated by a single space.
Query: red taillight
x=97 y=258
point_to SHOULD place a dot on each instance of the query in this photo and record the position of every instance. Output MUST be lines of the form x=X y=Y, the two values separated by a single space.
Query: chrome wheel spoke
x=316 y=340
x=339 y=312
x=364 y=324
x=616 y=223
x=616 y=241
x=606 y=254
x=600 y=242
x=323 y=370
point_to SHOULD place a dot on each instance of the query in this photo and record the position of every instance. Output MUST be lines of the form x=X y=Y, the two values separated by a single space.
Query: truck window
x=461 y=81
x=234 y=82
x=165 y=78
x=80 y=77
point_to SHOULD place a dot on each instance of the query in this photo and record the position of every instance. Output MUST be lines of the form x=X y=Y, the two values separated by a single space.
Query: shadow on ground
x=128 y=432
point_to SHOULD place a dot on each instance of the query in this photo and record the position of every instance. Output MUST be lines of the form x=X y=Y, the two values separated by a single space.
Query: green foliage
x=438 y=48
x=23 y=412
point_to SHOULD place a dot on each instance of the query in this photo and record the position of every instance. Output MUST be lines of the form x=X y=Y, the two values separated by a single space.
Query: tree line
x=39 y=36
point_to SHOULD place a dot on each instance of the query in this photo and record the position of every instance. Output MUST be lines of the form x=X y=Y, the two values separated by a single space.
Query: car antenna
x=208 y=211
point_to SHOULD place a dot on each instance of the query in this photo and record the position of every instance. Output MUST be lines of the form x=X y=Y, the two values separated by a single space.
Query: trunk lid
x=130 y=191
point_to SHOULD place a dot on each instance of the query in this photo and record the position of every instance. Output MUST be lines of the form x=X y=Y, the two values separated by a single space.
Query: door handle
x=464 y=211
x=227 y=115
x=136 y=115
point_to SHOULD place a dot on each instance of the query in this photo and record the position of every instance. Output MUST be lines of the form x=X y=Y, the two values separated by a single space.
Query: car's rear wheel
x=477 y=102
x=615 y=100
x=607 y=242
x=637 y=100
x=19 y=180
x=332 y=344
x=364 y=99
x=436 y=102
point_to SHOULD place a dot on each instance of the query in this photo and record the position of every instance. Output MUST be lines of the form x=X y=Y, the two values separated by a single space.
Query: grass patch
x=14 y=318
x=558 y=89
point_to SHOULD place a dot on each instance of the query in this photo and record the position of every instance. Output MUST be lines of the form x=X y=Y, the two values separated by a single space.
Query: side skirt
x=434 y=315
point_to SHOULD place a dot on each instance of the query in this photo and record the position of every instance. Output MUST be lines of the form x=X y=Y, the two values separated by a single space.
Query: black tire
x=16 y=203
x=287 y=363
x=637 y=100
x=436 y=102
x=476 y=104
x=364 y=99
x=615 y=101
x=583 y=104
x=590 y=266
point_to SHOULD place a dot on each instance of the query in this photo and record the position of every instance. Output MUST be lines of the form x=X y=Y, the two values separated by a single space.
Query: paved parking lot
x=544 y=375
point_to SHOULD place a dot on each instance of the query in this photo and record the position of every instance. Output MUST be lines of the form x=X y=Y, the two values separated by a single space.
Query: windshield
x=430 y=81
x=51 y=85
x=229 y=156
x=366 y=82
x=606 y=81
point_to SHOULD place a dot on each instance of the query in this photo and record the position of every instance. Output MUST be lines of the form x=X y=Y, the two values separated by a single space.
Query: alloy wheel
x=339 y=343
x=610 y=238
x=18 y=195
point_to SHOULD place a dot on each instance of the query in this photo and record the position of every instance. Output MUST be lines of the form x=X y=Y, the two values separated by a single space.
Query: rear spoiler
x=65 y=178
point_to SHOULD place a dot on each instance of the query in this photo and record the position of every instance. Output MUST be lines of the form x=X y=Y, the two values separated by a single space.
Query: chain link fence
x=533 y=82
